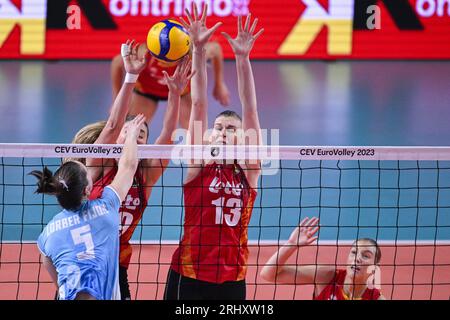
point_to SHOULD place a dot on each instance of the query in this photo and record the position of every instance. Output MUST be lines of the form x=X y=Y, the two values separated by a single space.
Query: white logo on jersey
x=131 y=203
x=126 y=221
x=217 y=184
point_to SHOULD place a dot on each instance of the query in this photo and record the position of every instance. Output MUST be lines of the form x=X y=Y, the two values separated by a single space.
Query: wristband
x=131 y=78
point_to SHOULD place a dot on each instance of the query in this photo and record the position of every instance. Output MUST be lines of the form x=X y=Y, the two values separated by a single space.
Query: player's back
x=84 y=246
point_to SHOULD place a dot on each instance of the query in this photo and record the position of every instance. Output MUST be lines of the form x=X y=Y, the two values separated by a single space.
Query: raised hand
x=133 y=128
x=304 y=234
x=130 y=58
x=243 y=43
x=180 y=78
x=198 y=32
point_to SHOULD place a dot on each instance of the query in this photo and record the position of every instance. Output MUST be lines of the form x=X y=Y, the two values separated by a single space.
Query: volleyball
x=168 y=41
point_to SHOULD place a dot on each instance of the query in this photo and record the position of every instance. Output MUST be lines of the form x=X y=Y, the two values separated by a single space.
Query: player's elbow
x=268 y=274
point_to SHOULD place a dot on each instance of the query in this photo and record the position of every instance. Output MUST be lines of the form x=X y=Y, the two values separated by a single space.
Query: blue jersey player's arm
x=128 y=161
x=46 y=261
x=48 y=264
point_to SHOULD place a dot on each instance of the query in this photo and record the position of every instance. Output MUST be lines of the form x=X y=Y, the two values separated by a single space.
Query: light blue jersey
x=84 y=248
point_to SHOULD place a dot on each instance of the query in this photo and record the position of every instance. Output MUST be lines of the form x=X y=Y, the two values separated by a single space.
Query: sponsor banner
x=324 y=29
x=241 y=152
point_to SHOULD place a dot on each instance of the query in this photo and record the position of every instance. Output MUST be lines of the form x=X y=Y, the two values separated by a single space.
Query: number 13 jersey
x=218 y=205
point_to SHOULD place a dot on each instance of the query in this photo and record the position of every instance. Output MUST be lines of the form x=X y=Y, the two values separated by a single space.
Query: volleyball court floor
x=408 y=272
x=311 y=103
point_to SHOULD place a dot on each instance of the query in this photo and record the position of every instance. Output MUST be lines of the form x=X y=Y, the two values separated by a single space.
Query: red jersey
x=218 y=204
x=131 y=210
x=334 y=290
x=150 y=80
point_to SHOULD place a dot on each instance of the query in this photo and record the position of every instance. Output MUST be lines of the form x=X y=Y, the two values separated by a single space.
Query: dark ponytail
x=67 y=184
x=46 y=182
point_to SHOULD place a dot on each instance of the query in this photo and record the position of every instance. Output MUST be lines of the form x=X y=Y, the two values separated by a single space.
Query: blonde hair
x=87 y=135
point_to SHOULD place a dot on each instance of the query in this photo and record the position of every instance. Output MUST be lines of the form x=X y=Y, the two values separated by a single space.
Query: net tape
x=207 y=152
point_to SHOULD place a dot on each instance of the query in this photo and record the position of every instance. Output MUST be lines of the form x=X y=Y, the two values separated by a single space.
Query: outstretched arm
x=128 y=161
x=48 y=264
x=199 y=35
x=133 y=66
x=242 y=46
x=276 y=269
x=119 y=110
x=176 y=83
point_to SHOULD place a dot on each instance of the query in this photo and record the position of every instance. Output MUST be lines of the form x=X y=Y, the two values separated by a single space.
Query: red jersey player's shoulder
x=102 y=182
x=340 y=274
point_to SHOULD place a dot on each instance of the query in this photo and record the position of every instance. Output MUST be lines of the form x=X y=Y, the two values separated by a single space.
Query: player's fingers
x=239 y=23
x=189 y=77
x=166 y=75
x=125 y=50
x=137 y=121
x=252 y=29
x=141 y=120
x=133 y=52
x=311 y=222
x=189 y=16
x=205 y=9
x=180 y=68
x=136 y=46
x=314 y=231
x=247 y=21
x=305 y=220
x=213 y=29
x=184 y=23
x=256 y=36
x=187 y=68
x=195 y=10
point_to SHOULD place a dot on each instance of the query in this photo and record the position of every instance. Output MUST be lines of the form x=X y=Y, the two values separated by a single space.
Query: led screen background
x=307 y=29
